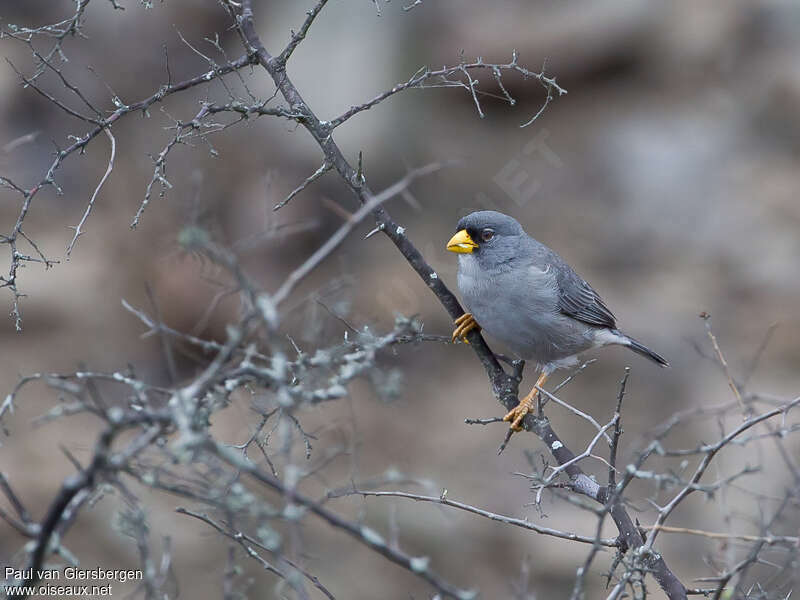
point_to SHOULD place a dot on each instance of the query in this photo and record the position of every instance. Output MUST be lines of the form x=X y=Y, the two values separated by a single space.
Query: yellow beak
x=461 y=243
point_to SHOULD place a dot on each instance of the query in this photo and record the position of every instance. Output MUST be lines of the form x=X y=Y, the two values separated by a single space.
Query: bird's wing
x=578 y=300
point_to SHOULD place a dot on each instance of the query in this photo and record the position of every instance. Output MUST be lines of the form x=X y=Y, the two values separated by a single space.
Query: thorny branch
x=59 y=32
x=505 y=386
x=445 y=501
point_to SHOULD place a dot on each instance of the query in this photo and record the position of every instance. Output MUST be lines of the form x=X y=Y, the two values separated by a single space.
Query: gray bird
x=522 y=293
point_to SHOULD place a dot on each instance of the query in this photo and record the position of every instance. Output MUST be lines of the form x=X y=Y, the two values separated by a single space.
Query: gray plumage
x=525 y=295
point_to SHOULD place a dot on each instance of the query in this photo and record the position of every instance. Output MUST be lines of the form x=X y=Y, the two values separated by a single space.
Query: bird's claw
x=464 y=324
x=520 y=411
x=517 y=414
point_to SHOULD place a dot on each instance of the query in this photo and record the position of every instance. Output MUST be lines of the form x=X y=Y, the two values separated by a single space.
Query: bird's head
x=491 y=236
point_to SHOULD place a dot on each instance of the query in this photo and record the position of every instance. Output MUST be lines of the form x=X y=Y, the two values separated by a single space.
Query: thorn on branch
x=412 y=5
x=378 y=229
x=358 y=179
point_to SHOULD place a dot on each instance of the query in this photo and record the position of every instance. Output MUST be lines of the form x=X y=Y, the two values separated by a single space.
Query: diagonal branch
x=301 y=34
x=363 y=534
x=324 y=168
x=504 y=386
x=373 y=203
x=524 y=523
x=247 y=543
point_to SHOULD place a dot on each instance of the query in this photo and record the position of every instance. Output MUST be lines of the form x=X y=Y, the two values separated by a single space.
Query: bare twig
x=523 y=523
x=79 y=226
x=312 y=178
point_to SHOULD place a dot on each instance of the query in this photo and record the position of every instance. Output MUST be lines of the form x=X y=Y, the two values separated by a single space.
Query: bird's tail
x=643 y=350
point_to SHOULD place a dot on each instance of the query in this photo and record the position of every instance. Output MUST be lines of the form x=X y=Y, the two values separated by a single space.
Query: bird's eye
x=487 y=234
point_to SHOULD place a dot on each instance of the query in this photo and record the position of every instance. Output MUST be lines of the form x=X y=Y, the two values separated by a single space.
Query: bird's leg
x=516 y=414
x=464 y=324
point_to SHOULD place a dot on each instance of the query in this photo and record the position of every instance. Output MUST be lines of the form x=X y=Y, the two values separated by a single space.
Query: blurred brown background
x=667 y=177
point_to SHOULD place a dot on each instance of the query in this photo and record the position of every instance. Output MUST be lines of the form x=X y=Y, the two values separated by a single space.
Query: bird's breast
x=518 y=306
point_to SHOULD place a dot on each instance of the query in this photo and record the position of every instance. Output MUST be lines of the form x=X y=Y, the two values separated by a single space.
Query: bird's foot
x=464 y=324
x=518 y=413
